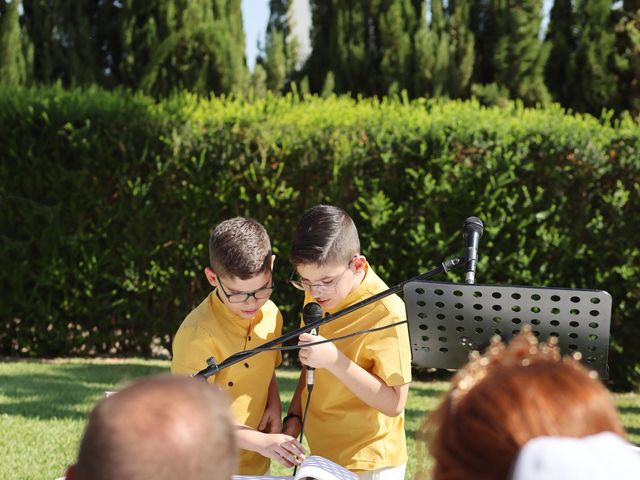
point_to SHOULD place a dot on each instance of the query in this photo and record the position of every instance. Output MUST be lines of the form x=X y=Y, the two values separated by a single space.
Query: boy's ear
x=273 y=259
x=212 y=278
x=69 y=475
x=359 y=262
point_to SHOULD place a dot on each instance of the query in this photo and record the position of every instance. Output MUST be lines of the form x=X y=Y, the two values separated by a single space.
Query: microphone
x=472 y=229
x=311 y=313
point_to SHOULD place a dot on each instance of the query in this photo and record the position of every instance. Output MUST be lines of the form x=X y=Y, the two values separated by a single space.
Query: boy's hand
x=271 y=421
x=283 y=449
x=318 y=356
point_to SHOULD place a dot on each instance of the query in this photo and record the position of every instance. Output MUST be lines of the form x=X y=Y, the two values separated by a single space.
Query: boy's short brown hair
x=239 y=247
x=325 y=234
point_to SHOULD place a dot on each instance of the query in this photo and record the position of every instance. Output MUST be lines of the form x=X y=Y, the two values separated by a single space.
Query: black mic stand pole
x=213 y=367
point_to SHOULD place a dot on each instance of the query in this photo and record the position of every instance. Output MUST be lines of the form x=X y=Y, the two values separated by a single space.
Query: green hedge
x=108 y=199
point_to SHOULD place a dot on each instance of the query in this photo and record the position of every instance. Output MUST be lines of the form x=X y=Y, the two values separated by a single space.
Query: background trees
x=583 y=54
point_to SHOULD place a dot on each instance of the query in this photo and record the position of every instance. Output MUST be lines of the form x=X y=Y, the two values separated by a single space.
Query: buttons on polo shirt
x=249 y=337
x=230 y=384
x=246 y=364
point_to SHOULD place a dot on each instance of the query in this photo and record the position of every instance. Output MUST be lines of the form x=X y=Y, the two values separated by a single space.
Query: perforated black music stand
x=447 y=320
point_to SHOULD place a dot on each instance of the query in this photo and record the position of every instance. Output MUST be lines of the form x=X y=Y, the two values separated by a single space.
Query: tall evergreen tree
x=486 y=26
x=396 y=21
x=520 y=56
x=280 y=55
x=68 y=40
x=592 y=70
x=461 y=49
x=562 y=41
x=13 y=65
x=198 y=45
x=368 y=45
x=437 y=44
x=627 y=56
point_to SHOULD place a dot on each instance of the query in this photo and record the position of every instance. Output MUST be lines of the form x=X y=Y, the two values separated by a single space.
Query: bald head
x=160 y=427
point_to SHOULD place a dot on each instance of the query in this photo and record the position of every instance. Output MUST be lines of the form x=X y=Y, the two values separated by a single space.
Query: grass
x=43 y=407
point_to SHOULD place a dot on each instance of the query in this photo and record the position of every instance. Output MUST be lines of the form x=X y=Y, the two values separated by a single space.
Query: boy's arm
x=369 y=388
x=293 y=424
x=272 y=417
x=277 y=446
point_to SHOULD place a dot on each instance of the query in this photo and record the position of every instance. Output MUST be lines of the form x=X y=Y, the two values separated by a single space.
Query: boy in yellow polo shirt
x=356 y=413
x=238 y=315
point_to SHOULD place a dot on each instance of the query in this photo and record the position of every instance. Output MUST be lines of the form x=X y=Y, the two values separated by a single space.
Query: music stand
x=447 y=320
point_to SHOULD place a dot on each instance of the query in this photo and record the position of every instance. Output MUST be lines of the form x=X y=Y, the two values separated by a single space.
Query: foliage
x=155 y=46
x=592 y=73
x=109 y=198
x=520 y=57
x=14 y=67
x=562 y=40
x=366 y=46
x=279 y=58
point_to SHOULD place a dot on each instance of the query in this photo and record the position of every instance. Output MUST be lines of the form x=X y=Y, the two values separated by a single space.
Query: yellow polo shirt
x=340 y=426
x=211 y=329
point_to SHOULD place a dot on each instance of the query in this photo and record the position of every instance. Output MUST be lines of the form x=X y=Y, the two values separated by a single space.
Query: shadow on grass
x=65 y=392
x=629 y=410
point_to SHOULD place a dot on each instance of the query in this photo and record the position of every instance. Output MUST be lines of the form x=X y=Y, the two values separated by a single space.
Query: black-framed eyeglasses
x=326 y=287
x=241 y=297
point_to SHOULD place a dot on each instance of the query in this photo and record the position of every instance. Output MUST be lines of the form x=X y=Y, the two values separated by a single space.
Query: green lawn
x=43 y=406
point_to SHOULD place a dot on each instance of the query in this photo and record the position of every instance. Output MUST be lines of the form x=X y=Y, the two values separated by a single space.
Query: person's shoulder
x=393 y=304
x=200 y=318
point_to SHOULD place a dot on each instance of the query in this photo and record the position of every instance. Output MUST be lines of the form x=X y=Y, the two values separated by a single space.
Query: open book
x=314 y=467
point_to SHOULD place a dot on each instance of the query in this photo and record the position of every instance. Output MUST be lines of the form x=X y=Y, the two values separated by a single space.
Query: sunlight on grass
x=43 y=407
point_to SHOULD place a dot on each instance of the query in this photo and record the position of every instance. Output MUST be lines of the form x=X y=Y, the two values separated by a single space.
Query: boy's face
x=330 y=284
x=242 y=297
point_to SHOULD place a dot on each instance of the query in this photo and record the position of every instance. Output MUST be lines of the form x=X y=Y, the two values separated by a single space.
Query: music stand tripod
x=447 y=321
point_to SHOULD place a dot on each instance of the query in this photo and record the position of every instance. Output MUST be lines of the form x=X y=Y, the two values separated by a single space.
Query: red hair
x=500 y=401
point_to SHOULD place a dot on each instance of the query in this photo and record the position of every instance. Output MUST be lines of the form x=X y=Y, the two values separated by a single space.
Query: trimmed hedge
x=108 y=200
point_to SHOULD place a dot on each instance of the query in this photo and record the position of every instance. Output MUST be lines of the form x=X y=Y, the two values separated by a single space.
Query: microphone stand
x=213 y=367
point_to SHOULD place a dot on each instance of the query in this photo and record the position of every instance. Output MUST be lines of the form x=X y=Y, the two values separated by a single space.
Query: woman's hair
x=504 y=398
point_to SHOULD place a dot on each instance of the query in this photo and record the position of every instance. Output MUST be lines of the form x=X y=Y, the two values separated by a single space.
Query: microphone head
x=311 y=313
x=473 y=224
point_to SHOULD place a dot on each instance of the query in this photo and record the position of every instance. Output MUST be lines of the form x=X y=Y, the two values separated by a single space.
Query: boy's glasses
x=241 y=297
x=325 y=287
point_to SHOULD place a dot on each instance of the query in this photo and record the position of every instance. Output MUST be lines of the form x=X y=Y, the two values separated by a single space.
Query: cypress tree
x=368 y=45
x=437 y=47
x=280 y=53
x=486 y=28
x=40 y=22
x=70 y=41
x=197 y=46
x=397 y=22
x=592 y=70
x=461 y=49
x=13 y=66
x=562 y=41
x=422 y=58
x=520 y=56
x=627 y=56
